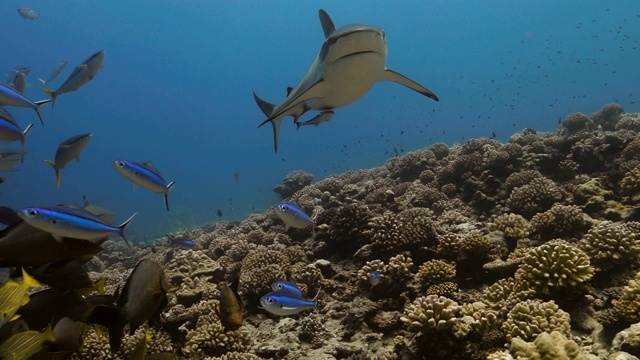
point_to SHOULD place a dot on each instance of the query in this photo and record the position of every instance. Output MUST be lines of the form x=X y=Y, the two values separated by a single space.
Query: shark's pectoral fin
x=390 y=75
x=327 y=24
x=266 y=107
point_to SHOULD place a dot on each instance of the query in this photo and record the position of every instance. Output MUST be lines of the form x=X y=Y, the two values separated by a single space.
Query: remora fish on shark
x=352 y=59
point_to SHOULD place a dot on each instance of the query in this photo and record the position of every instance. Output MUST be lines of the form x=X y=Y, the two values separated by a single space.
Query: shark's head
x=352 y=40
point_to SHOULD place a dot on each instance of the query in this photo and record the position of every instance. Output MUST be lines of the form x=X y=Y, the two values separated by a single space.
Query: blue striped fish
x=284 y=303
x=286 y=286
x=145 y=175
x=72 y=222
x=24 y=345
x=11 y=97
x=293 y=216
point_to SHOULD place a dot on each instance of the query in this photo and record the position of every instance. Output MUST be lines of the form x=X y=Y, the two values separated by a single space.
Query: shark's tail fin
x=267 y=108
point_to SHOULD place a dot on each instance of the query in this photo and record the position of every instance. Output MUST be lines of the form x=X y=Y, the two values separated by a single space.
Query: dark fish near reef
x=145 y=175
x=286 y=286
x=236 y=177
x=66 y=221
x=100 y=212
x=24 y=245
x=219 y=213
x=68 y=150
x=293 y=216
x=68 y=338
x=181 y=243
x=284 y=303
x=24 y=345
x=14 y=295
x=11 y=97
x=351 y=60
x=230 y=309
x=81 y=75
x=142 y=299
x=65 y=275
x=218 y=253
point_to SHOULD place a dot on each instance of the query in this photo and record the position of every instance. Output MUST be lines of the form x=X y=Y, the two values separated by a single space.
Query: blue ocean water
x=177 y=82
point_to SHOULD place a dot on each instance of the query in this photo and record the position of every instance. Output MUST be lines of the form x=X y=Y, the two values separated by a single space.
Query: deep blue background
x=178 y=76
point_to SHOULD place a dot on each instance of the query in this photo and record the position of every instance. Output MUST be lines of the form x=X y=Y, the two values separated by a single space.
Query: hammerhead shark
x=352 y=59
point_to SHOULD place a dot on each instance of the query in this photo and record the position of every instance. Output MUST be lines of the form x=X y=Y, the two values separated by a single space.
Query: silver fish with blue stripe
x=293 y=216
x=284 y=303
x=145 y=175
x=286 y=286
x=9 y=131
x=72 y=222
x=11 y=97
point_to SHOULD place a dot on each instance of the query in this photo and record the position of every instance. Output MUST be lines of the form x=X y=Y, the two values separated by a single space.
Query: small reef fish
x=219 y=212
x=65 y=221
x=103 y=214
x=284 y=303
x=181 y=243
x=236 y=177
x=68 y=150
x=293 y=216
x=28 y=13
x=230 y=309
x=55 y=72
x=68 y=337
x=11 y=132
x=81 y=75
x=143 y=298
x=24 y=345
x=317 y=120
x=14 y=295
x=10 y=97
x=286 y=286
x=145 y=175
x=375 y=278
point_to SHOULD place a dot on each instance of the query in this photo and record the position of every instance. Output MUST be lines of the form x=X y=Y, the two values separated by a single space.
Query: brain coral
x=554 y=346
x=552 y=266
x=430 y=313
x=513 y=226
x=560 y=221
x=530 y=318
x=539 y=195
x=608 y=245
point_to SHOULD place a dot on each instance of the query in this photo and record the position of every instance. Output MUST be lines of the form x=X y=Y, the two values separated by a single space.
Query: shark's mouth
x=357 y=54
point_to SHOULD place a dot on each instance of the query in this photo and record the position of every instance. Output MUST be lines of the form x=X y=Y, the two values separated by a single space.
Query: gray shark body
x=352 y=59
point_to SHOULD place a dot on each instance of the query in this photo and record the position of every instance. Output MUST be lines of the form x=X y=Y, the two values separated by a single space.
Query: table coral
x=609 y=245
x=530 y=318
x=553 y=266
x=430 y=313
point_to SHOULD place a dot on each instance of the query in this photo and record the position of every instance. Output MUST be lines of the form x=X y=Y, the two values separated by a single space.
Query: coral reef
x=554 y=345
x=609 y=245
x=431 y=313
x=531 y=318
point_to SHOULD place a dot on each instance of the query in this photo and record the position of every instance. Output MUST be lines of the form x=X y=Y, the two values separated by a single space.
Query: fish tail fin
x=29 y=281
x=123 y=226
x=99 y=286
x=53 y=96
x=298 y=125
x=166 y=194
x=44 y=82
x=24 y=135
x=53 y=165
x=111 y=318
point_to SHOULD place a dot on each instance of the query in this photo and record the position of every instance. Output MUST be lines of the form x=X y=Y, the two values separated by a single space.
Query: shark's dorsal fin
x=327 y=24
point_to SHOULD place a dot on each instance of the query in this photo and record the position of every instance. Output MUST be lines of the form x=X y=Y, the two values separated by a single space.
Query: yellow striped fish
x=24 y=345
x=13 y=295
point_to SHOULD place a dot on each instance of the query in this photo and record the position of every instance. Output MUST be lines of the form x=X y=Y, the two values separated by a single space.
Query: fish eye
x=283 y=207
x=270 y=300
x=33 y=213
x=121 y=163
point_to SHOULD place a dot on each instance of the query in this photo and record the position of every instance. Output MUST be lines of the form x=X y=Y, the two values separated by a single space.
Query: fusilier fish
x=11 y=132
x=81 y=75
x=55 y=72
x=143 y=298
x=293 y=216
x=182 y=242
x=286 y=286
x=284 y=303
x=28 y=13
x=10 y=97
x=64 y=221
x=145 y=175
x=68 y=150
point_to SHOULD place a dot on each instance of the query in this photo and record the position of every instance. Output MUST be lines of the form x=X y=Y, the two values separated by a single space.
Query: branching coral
x=530 y=318
x=293 y=182
x=627 y=305
x=260 y=268
x=608 y=116
x=608 y=245
x=209 y=338
x=430 y=313
x=506 y=293
x=538 y=195
x=435 y=272
x=630 y=184
x=560 y=221
x=553 y=266
x=513 y=226
x=575 y=122
x=417 y=227
x=554 y=346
